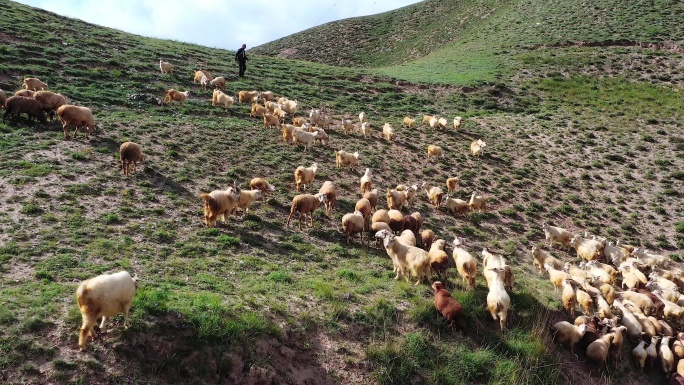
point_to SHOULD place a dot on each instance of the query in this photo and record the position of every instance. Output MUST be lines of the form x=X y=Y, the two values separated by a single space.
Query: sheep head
x=314 y=167
x=356 y=154
x=437 y=286
x=322 y=198
x=457 y=242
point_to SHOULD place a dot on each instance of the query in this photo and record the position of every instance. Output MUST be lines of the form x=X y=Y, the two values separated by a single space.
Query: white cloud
x=215 y=23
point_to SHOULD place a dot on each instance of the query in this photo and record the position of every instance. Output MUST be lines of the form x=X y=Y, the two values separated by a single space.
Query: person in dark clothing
x=241 y=58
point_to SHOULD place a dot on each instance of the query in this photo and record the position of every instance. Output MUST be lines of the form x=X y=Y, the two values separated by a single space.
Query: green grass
x=584 y=137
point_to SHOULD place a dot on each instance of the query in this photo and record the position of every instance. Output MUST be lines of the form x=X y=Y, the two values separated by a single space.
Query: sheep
x=452 y=184
x=407 y=238
x=616 y=344
x=267 y=96
x=363 y=206
x=245 y=200
x=602 y=306
x=304 y=204
x=306 y=138
x=643 y=301
x=372 y=197
x=381 y=216
x=130 y=153
x=49 y=101
x=343 y=158
x=466 y=264
x=104 y=296
x=651 y=259
x=665 y=356
x=388 y=132
x=427 y=118
x=325 y=122
x=220 y=203
x=328 y=189
x=353 y=223
x=433 y=122
x=441 y=123
x=568 y=297
x=261 y=185
x=588 y=249
x=658 y=305
x=541 y=257
x=457 y=122
x=665 y=328
x=366 y=129
x=435 y=151
x=630 y=277
x=366 y=182
x=490 y=261
x=406 y=259
x=220 y=98
x=25 y=93
x=290 y=107
x=593 y=326
x=410 y=192
x=408 y=122
x=585 y=301
x=347 y=125
x=273 y=121
x=613 y=253
x=198 y=76
x=680 y=370
x=218 y=82
x=439 y=260
x=639 y=355
x=34 y=84
x=322 y=136
x=396 y=220
x=426 y=239
x=658 y=282
x=595 y=270
x=498 y=300
x=78 y=117
x=597 y=352
x=477 y=202
x=448 y=306
x=557 y=277
x=257 y=110
x=362 y=117
x=175 y=96
x=165 y=67
x=628 y=319
x=606 y=290
x=204 y=81
x=280 y=114
x=555 y=234
x=647 y=327
x=568 y=334
x=248 y=96
x=652 y=352
x=16 y=105
x=477 y=147
x=575 y=272
x=671 y=309
x=454 y=205
x=305 y=175
x=314 y=116
x=434 y=194
x=605 y=267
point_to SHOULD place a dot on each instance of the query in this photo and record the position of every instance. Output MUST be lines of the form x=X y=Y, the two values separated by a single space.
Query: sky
x=215 y=23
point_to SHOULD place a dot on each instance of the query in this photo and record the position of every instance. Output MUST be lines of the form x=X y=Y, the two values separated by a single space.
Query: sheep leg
x=102 y=324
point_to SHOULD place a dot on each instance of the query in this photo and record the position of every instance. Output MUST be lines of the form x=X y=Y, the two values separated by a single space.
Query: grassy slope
x=572 y=137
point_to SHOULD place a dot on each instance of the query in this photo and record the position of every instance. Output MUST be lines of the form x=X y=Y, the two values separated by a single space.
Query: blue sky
x=215 y=23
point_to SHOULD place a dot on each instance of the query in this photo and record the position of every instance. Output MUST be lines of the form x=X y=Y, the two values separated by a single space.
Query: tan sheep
x=372 y=197
x=130 y=153
x=588 y=249
x=290 y=107
x=407 y=237
x=365 y=181
x=410 y=192
x=395 y=199
x=25 y=93
x=498 y=300
x=34 y=84
x=304 y=204
x=288 y=132
x=273 y=121
x=477 y=202
x=426 y=238
x=441 y=123
x=466 y=264
x=439 y=259
x=220 y=203
x=457 y=123
x=455 y=206
x=267 y=96
x=568 y=334
x=666 y=357
x=247 y=197
x=299 y=121
x=477 y=147
x=175 y=96
x=328 y=190
x=218 y=83
x=396 y=220
x=344 y=158
x=353 y=223
x=408 y=122
x=435 y=151
x=50 y=101
x=199 y=74
x=568 y=297
x=305 y=175
x=452 y=184
x=434 y=193
x=597 y=351
x=347 y=126
x=204 y=82
x=362 y=117
x=219 y=98
x=248 y=96
x=388 y=132
x=78 y=117
x=406 y=259
x=366 y=129
x=541 y=257
x=639 y=355
x=165 y=67
x=556 y=235
x=261 y=185
x=427 y=118
x=257 y=110
x=557 y=277
x=364 y=207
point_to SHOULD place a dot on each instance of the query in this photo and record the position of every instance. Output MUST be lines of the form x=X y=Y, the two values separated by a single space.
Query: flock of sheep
x=646 y=305
x=647 y=310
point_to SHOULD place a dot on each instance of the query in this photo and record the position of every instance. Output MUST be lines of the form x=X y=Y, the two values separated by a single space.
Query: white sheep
x=589 y=249
x=362 y=117
x=498 y=300
x=347 y=125
x=406 y=258
x=457 y=122
x=219 y=98
x=344 y=158
x=305 y=138
x=365 y=180
x=328 y=189
x=441 y=123
x=305 y=175
x=477 y=202
x=434 y=193
x=104 y=296
x=477 y=147
x=388 y=132
x=246 y=198
x=555 y=234
x=433 y=122
x=395 y=199
x=366 y=129
x=314 y=116
x=568 y=334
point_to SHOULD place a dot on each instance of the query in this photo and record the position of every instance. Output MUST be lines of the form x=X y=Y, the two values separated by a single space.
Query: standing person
x=241 y=58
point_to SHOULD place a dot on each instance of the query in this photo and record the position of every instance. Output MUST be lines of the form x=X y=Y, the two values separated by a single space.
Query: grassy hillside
x=586 y=138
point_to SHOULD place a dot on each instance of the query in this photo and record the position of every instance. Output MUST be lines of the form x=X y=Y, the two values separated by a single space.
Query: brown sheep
x=448 y=306
x=34 y=84
x=25 y=93
x=396 y=220
x=220 y=203
x=304 y=204
x=130 y=152
x=452 y=184
x=218 y=83
x=439 y=260
x=261 y=185
x=16 y=105
x=248 y=96
x=78 y=117
x=175 y=96
x=50 y=101
x=426 y=239
x=364 y=207
x=200 y=73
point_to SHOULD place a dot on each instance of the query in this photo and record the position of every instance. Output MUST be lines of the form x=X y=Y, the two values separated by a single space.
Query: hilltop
x=581 y=136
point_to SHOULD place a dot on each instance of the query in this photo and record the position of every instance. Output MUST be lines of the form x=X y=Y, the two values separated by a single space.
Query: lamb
x=219 y=98
x=372 y=197
x=218 y=82
x=165 y=67
x=477 y=202
x=130 y=153
x=639 y=355
x=220 y=203
x=388 y=132
x=366 y=129
x=426 y=238
x=665 y=356
x=541 y=257
x=597 y=352
x=248 y=96
x=406 y=259
x=104 y=296
x=448 y=306
x=261 y=185
x=455 y=206
x=466 y=264
x=477 y=147
x=589 y=249
x=347 y=125
x=364 y=207
x=16 y=105
x=304 y=204
x=25 y=93
x=305 y=175
x=245 y=200
x=344 y=158
x=434 y=194
x=353 y=223
x=78 y=117
x=434 y=151
x=457 y=122
x=198 y=76
x=568 y=334
x=328 y=189
x=257 y=110
x=273 y=121
x=441 y=123
x=439 y=260
x=498 y=300
x=314 y=116
x=49 y=101
x=427 y=118
x=366 y=182
x=34 y=84
x=408 y=122
x=175 y=96
x=452 y=184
